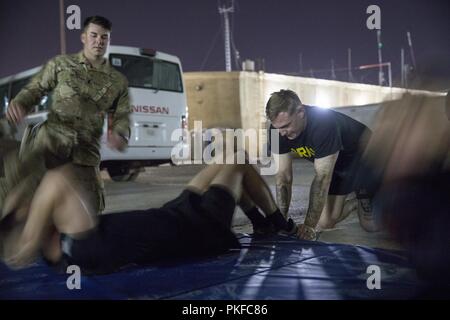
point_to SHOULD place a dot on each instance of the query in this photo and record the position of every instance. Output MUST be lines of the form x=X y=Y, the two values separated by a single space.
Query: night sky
x=275 y=30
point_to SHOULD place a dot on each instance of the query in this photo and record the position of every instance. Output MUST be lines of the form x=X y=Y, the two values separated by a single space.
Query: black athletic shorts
x=354 y=175
x=188 y=226
x=206 y=217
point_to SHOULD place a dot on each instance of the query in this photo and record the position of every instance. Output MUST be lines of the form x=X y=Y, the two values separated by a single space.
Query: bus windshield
x=148 y=73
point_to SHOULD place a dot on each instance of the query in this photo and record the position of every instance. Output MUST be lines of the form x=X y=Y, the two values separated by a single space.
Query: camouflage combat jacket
x=81 y=97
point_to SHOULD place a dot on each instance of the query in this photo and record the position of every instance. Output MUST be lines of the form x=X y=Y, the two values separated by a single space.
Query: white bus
x=158 y=102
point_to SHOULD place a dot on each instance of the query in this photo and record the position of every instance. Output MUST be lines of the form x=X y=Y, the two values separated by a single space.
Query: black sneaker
x=290 y=230
x=264 y=229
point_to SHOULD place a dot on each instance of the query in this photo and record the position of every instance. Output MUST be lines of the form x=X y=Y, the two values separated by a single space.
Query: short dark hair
x=98 y=20
x=282 y=101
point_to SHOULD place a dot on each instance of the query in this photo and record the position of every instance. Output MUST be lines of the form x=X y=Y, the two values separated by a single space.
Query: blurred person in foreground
x=409 y=153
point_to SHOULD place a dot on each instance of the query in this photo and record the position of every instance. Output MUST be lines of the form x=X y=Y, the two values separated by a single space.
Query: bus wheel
x=120 y=173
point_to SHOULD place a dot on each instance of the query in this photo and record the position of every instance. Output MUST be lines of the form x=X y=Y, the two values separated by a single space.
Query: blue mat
x=275 y=268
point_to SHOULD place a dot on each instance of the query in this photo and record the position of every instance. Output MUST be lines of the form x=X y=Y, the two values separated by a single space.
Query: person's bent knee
x=55 y=179
x=52 y=177
x=237 y=157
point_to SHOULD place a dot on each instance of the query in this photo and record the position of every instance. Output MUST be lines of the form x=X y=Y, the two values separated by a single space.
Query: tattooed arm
x=284 y=181
x=323 y=168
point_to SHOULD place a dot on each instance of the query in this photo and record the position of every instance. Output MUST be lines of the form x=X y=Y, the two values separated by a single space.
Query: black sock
x=255 y=217
x=278 y=220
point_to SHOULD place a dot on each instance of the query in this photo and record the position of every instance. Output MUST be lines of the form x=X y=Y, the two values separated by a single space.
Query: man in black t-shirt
x=334 y=143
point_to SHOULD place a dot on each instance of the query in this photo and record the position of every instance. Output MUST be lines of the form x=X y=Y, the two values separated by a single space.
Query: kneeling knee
x=328 y=223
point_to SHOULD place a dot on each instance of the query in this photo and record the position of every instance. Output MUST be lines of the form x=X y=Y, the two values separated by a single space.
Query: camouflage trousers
x=39 y=152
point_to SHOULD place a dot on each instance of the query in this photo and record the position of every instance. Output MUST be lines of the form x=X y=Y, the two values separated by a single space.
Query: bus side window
x=17 y=86
x=167 y=76
x=45 y=103
x=3 y=98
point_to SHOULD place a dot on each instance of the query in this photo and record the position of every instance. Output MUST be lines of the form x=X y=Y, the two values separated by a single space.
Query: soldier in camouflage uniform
x=84 y=90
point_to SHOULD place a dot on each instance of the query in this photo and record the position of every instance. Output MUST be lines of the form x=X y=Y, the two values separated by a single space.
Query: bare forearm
x=121 y=125
x=317 y=197
x=284 y=192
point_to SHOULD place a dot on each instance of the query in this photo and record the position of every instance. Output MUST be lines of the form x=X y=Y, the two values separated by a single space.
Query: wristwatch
x=312 y=232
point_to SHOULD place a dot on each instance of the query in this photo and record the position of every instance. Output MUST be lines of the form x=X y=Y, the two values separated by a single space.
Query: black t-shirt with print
x=327 y=132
